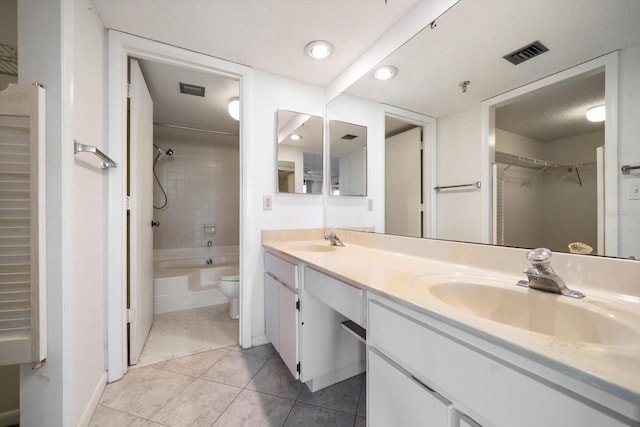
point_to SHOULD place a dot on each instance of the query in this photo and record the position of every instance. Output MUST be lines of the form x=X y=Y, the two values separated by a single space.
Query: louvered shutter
x=22 y=194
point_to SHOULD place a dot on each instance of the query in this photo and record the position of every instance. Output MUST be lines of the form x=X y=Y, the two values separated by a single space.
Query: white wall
x=629 y=150
x=51 y=35
x=459 y=162
x=202 y=183
x=353 y=172
x=346 y=211
x=88 y=200
x=267 y=94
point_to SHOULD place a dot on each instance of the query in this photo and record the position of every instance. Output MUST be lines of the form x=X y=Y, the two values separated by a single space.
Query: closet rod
x=219 y=132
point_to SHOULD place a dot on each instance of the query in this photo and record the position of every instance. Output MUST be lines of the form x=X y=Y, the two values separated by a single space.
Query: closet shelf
x=539 y=166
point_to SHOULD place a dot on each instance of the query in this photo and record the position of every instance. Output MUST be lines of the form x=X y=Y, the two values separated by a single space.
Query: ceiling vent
x=534 y=49
x=349 y=137
x=194 y=90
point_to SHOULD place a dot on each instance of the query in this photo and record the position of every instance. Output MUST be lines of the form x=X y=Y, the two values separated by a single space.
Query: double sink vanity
x=447 y=337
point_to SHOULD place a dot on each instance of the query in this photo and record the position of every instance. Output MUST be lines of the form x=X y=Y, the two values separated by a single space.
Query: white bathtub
x=183 y=279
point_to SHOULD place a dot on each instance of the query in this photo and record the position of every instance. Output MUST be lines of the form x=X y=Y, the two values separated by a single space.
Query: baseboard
x=10 y=418
x=336 y=376
x=259 y=340
x=93 y=402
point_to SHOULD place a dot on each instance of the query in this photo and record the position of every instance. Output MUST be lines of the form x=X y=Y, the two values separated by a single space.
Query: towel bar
x=445 y=187
x=107 y=162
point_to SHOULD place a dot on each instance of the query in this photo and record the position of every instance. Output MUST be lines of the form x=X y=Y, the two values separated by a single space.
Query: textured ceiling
x=557 y=111
x=269 y=35
x=470 y=39
x=171 y=106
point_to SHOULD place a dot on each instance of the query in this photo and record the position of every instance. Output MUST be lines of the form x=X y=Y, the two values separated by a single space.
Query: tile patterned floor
x=227 y=387
x=180 y=333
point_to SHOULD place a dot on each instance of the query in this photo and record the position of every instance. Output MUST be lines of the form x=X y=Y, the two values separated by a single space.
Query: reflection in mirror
x=434 y=63
x=299 y=153
x=547 y=167
x=348 y=159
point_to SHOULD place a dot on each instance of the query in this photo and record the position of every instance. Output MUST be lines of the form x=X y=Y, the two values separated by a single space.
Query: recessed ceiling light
x=319 y=49
x=295 y=137
x=596 y=114
x=234 y=108
x=385 y=72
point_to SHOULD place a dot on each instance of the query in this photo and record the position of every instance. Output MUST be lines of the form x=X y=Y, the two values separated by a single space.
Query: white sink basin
x=544 y=313
x=311 y=247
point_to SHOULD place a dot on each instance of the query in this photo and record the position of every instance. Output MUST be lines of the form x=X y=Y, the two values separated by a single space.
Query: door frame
x=429 y=137
x=120 y=47
x=487 y=110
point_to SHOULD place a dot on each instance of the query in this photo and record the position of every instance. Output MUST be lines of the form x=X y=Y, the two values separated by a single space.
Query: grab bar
x=444 y=187
x=626 y=169
x=107 y=162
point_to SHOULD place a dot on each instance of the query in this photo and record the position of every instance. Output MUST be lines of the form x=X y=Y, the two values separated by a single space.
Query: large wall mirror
x=300 y=156
x=348 y=159
x=558 y=175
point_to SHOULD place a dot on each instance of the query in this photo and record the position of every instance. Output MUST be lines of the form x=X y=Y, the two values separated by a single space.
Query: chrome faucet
x=335 y=241
x=542 y=277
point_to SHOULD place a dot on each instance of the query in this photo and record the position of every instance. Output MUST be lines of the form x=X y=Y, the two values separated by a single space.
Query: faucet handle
x=540 y=258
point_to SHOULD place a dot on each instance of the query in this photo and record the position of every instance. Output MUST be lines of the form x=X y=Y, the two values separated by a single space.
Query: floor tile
x=144 y=391
x=185 y=332
x=303 y=415
x=194 y=365
x=362 y=403
x=275 y=378
x=237 y=368
x=253 y=409
x=342 y=396
x=107 y=417
x=199 y=405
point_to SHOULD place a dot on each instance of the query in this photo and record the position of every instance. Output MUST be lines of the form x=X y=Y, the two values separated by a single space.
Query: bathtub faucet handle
x=209 y=243
x=209 y=261
x=155 y=223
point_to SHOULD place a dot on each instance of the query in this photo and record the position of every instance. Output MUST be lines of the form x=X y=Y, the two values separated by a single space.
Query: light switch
x=267 y=203
x=369 y=205
x=634 y=191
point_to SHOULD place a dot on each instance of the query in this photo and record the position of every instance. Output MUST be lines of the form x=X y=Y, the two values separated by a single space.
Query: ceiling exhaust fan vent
x=189 y=89
x=349 y=137
x=524 y=54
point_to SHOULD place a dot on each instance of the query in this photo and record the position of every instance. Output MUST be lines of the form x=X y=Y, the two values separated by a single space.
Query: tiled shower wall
x=202 y=184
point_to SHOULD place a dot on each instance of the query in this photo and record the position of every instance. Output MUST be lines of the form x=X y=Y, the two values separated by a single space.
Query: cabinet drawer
x=284 y=271
x=494 y=392
x=397 y=399
x=343 y=298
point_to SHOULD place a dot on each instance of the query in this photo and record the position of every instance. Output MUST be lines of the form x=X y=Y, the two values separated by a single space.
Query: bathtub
x=182 y=279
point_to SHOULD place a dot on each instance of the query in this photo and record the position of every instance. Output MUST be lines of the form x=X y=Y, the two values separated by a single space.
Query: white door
x=288 y=326
x=403 y=178
x=140 y=213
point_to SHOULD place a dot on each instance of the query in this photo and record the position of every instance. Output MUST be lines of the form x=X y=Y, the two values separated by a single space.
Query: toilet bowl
x=229 y=284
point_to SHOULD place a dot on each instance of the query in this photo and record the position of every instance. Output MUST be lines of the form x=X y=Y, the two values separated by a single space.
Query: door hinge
x=131 y=315
x=298 y=367
x=422 y=145
x=129 y=90
x=298 y=305
x=129 y=203
x=421 y=207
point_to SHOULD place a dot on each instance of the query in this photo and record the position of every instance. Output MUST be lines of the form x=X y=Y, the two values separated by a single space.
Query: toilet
x=229 y=284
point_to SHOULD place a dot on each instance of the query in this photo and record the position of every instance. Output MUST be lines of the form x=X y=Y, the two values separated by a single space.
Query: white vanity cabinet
x=282 y=309
x=485 y=384
x=305 y=330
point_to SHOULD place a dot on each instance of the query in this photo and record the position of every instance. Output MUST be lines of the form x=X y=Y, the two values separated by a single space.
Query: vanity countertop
x=613 y=368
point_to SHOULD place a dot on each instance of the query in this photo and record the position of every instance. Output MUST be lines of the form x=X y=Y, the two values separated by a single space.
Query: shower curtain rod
x=219 y=132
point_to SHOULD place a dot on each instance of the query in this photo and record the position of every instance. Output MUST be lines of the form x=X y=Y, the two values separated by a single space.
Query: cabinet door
x=288 y=326
x=271 y=310
x=394 y=398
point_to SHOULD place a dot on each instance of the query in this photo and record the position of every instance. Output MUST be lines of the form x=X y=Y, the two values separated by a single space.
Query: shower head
x=169 y=152
x=162 y=153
